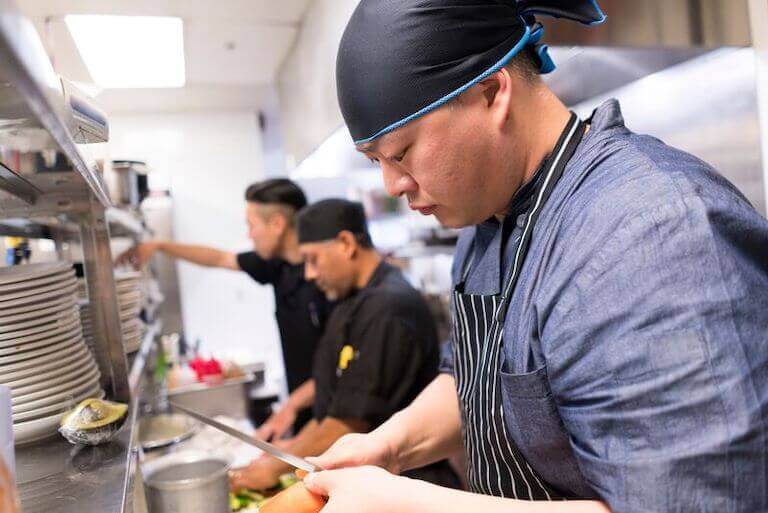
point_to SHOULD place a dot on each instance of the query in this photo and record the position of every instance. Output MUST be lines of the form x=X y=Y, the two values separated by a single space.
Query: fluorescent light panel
x=125 y=52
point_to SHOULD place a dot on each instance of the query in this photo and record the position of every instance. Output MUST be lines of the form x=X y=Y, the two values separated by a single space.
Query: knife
x=267 y=447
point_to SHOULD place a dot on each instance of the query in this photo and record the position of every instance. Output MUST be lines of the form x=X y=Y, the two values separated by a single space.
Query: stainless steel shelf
x=124 y=223
x=62 y=198
x=34 y=102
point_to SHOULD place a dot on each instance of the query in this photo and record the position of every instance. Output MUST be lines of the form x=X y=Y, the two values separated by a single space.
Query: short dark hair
x=277 y=191
x=526 y=63
x=364 y=240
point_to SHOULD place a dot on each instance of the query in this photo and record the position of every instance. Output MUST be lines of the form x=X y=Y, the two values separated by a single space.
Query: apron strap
x=566 y=146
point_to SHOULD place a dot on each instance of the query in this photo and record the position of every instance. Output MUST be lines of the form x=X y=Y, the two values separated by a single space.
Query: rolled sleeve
x=657 y=356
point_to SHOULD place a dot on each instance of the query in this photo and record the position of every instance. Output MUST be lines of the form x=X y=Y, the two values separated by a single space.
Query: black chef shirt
x=379 y=350
x=300 y=308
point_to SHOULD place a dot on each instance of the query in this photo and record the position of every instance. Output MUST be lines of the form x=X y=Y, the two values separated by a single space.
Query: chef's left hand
x=259 y=475
x=361 y=490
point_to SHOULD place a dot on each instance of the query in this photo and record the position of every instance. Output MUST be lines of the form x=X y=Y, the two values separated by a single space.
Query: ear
x=348 y=244
x=499 y=90
x=278 y=221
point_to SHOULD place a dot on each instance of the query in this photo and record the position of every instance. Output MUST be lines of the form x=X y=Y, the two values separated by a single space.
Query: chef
x=379 y=350
x=610 y=304
x=300 y=308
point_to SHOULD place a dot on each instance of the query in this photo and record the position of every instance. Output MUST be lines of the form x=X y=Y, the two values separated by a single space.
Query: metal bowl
x=165 y=430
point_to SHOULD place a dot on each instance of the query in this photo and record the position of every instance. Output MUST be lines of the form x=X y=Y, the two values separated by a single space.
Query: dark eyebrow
x=366 y=147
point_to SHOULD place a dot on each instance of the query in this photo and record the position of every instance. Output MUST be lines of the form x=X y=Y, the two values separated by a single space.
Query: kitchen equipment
x=229 y=398
x=267 y=447
x=187 y=482
x=165 y=429
x=131 y=188
x=6 y=429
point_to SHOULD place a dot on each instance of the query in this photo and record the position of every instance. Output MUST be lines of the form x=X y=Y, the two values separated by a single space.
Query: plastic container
x=6 y=430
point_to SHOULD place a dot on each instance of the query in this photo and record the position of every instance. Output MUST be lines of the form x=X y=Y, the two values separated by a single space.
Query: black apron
x=495 y=466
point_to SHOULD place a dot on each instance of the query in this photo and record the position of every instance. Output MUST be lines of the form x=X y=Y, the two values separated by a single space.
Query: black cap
x=325 y=219
x=400 y=59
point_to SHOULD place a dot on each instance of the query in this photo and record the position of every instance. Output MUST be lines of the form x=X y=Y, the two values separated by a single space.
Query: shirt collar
x=378 y=276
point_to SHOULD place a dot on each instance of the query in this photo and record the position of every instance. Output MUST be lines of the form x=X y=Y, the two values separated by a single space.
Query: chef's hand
x=278 y=423
x=138 y=256
x=256 y=476
x=361 y=490
x=357 y=450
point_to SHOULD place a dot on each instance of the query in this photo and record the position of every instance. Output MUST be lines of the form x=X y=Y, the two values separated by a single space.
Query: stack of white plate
x=43 y=358
x=129 y=298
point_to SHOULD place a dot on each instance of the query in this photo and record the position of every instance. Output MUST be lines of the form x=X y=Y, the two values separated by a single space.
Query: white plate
x=60 y=408
x=36 y=283
x=127 y=307
x=132 y=325
x=44 y=370
x=34 y=391
x=38 y=298
x=66 y=280
x=14 y=344
x=129 y=275
x=71 y=390
x=14 y=274
x=125 y=315
x=133 y=345
x=36 y=430
x=44 y=427
x=48 y=320
x=127 y=286
x=35 y=331
x=27 y=359
x=129 y=313
x=25 y=351
x=30 y=312
x=129 y=297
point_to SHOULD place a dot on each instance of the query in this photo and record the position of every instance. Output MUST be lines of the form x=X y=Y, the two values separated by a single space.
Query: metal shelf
x=124 y=224
x=34 y=102
x=62 y=198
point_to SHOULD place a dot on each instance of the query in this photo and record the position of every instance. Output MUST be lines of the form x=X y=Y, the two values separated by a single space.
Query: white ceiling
x=233 y=48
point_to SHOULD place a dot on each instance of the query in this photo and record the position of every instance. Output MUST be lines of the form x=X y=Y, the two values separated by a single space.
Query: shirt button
x=521 y=221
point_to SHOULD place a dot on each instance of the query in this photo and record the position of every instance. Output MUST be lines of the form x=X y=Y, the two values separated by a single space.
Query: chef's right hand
x=357 y=450
x=278 y=424
x=138 y=256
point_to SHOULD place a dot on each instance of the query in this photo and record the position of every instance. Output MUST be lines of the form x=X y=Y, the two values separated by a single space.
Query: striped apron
x=494 y=464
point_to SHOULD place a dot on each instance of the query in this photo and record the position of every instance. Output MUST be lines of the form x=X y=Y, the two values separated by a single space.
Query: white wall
x=208 y=159
x=307 y=80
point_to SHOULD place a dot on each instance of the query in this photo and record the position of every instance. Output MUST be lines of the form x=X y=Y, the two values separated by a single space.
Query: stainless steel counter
x=56 y=476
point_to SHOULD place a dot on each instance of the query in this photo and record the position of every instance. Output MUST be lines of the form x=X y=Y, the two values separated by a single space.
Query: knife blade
x=267 y=447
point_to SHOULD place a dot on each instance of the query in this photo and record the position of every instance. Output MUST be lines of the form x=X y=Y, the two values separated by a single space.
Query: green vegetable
x=288 y=480
x=245 y=499
x=234 y=502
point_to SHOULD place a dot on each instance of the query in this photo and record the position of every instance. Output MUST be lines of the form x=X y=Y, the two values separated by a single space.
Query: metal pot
x=187 y=482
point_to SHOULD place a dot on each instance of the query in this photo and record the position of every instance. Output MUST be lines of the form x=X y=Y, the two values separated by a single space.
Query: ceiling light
x=123 y=52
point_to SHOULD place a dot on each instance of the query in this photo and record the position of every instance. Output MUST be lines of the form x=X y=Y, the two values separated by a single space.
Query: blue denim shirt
x=636 y=343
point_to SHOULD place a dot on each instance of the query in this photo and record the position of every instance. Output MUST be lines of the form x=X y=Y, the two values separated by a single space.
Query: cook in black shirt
x=300 y=308
x=380 y=346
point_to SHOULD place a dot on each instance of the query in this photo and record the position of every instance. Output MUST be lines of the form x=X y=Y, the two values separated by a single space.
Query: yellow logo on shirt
x=346 y=355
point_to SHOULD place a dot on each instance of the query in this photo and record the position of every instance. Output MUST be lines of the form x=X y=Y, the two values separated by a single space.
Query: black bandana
x=325 y=219
x=400 y=59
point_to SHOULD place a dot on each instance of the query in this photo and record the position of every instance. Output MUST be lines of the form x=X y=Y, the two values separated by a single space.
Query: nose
x=310 y=274
x=397 y=182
